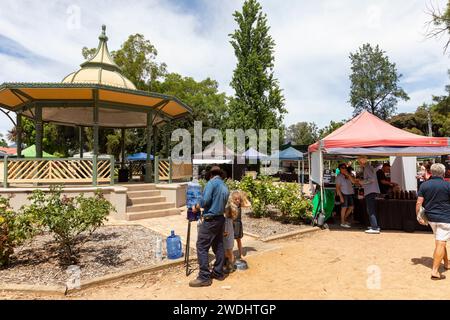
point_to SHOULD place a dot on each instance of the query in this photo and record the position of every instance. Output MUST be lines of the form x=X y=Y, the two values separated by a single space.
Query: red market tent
x=368 y=135
x=380 y=138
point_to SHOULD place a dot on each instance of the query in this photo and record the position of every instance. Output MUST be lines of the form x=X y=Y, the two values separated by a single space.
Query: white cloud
x=313 y=41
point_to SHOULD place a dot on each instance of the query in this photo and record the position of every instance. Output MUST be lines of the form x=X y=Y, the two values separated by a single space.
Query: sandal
x=441 y=277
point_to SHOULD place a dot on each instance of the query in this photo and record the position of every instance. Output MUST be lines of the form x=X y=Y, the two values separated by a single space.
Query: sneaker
x=372 y=231
x=200 y=283
x=345 y=225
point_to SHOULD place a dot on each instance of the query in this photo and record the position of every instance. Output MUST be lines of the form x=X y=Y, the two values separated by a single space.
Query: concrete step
x=152 y=214
x=145 y=200
x=140 y=187
x=143 y=194
x=150 y=206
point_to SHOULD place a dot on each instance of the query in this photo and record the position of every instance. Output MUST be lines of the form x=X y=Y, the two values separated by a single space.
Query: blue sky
x=42 y=41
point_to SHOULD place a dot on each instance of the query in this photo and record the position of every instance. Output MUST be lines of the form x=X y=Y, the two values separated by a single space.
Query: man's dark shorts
x=348 y=201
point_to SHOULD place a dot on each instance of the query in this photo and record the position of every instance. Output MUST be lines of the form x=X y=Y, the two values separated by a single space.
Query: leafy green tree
x=374 y=82
x=417 y=122
x=302 y=133
x=440 y=112
x=3 y=142
x=208 y=104
x=439 y=23
x=137 y=58
x=412 y=122
x=258 y=102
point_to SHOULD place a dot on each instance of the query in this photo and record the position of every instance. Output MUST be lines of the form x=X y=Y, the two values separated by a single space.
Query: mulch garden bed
x=110 y=249
x=268 y=227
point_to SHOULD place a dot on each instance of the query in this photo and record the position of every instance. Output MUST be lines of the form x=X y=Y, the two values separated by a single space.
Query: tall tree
x=208 y=104
x=440 y=112
x=302 y=133
x=258 y=102
x=439 y=23
x=374 y=82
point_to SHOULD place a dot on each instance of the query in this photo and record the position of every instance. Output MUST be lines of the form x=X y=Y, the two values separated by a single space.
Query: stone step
x=140 y=187
x=143 y=194
x=145 y=200
x=150 y=206
x=152 y=214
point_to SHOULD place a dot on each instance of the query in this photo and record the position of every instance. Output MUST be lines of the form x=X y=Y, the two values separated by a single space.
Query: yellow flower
x=2 y=220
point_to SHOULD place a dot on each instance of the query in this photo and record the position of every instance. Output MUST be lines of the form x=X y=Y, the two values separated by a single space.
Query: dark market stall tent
x=216 y=153
x=368 y=135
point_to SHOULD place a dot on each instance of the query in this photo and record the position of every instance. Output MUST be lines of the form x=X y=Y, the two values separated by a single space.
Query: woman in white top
x=344 y=189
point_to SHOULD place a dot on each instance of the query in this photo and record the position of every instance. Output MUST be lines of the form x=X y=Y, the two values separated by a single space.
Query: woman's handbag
x=422 y=215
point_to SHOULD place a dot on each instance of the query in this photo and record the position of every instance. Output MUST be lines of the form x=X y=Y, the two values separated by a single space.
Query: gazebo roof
x=100 y=69
x=98 y=82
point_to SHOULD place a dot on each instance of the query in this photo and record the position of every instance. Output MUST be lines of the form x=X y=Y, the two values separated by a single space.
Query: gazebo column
x=122 y=148
x=148 y=166
x=19 y=135
x=81 y=140
x=39 y=129
x=95 y=131
x=167 y=138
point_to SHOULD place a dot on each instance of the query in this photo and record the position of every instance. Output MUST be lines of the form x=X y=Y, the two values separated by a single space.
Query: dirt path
x=326 y=265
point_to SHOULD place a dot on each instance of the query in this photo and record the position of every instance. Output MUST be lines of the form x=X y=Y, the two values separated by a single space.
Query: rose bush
x=71 y=220
x=15 y=228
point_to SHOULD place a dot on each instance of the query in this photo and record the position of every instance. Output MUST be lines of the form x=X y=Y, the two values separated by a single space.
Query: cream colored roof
x=100 y=69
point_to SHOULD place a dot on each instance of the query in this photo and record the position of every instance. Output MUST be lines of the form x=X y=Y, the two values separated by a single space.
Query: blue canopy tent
x=289 y=154
x=140 y=156
x=292 y=154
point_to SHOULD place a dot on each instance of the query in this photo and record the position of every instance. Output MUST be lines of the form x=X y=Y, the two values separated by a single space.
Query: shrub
x=285 y=197
x=70 y=220
x=15 y=228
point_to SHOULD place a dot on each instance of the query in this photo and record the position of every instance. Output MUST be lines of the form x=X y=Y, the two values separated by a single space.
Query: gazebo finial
x=103 y=36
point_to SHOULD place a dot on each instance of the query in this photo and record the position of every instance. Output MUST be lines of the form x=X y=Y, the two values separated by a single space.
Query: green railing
x=58 y=170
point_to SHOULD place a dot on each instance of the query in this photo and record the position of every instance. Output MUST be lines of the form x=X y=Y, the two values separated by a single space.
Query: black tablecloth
x=391 y=215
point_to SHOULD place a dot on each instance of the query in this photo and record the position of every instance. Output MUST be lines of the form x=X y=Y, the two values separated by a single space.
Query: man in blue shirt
x=210 y=232
x=434 y=196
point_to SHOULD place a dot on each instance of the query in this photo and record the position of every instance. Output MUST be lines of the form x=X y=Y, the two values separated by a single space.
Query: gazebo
x=97 y=95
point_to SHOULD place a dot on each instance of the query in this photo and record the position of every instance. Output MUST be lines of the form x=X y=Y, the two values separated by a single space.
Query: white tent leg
x=322 y=185
x=303 y=173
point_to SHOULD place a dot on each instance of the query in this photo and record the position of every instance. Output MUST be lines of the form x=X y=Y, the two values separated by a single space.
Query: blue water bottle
x=174 y=248
x=193 y=197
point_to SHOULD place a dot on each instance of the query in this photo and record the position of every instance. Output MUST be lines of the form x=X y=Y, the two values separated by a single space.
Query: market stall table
x=392 y=214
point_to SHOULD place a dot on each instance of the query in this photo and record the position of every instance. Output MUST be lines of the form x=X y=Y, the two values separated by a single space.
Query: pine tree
x=258 y=102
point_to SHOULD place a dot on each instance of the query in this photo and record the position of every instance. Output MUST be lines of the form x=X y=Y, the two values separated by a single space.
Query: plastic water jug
x=158 y=249
x=193 y=197
x=174 y=248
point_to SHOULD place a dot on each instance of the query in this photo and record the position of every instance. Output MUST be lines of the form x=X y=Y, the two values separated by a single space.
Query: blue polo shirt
x=436 y=193
x=215 y=197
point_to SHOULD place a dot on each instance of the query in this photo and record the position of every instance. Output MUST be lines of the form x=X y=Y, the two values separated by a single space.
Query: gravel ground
x=267 y=227
x=111 y=249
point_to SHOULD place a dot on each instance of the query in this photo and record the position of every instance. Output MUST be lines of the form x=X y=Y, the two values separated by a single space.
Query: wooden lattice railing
x=179 y=171
x=71 y=170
